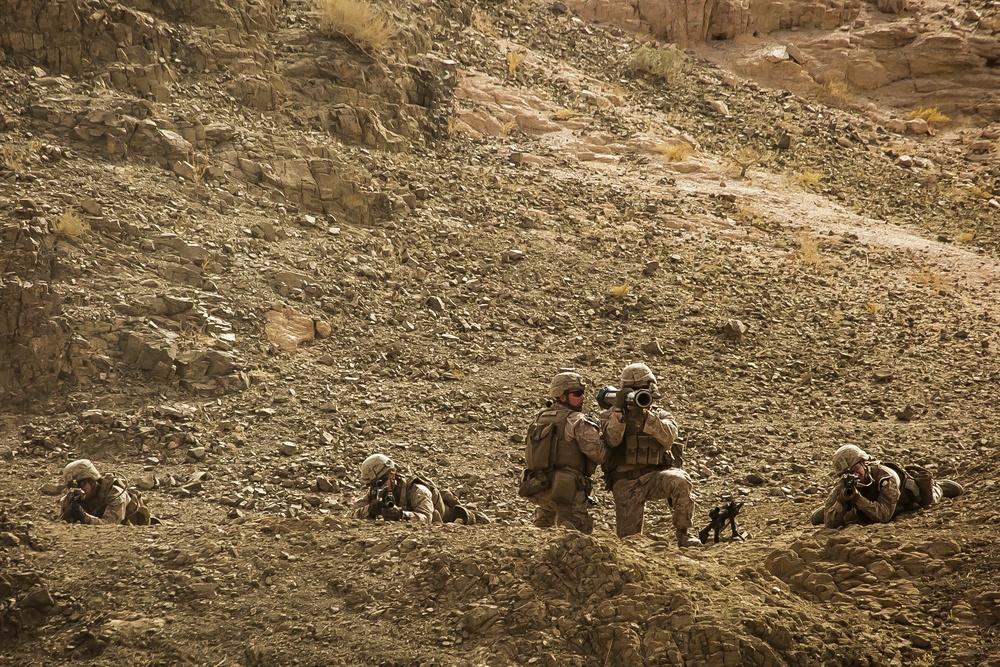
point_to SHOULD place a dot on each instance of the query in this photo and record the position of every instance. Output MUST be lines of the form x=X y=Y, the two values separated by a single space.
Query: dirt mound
x=240 y=254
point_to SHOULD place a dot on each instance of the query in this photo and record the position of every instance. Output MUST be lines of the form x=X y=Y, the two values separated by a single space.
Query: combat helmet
x=563 y=382
x=847 y=457
x=636 y=374
x=375 y=466
x=79 y=470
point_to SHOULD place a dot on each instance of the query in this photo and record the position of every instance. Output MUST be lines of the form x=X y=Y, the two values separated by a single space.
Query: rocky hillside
x=240 y=251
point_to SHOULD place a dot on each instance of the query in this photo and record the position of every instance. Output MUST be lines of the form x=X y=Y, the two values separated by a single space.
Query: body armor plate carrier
x=548 y=448
x=639 y=448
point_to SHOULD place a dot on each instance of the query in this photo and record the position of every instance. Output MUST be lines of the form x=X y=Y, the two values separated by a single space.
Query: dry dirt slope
x=447 y=282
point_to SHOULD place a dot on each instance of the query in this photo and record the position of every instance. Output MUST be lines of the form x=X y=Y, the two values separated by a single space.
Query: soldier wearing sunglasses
x=562 y=450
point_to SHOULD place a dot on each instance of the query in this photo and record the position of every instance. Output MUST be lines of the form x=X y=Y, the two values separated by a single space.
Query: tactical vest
x=638 y=448
x=436 y=499
x=907 y=498
x=548 y=448
x=109 y=488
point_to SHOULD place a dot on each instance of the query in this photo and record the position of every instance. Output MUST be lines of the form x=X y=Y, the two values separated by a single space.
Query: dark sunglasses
x=576 y=392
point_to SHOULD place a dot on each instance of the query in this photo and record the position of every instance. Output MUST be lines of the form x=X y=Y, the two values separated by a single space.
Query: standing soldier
x=645 y=457
x=562 y=451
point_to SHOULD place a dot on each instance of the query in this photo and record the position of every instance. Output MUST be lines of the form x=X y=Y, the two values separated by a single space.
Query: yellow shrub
x=675 y=151
x=70 y=225
x=809 y=177
x=15 y=158
x=667 y=63
x=363 y=24
x=931 y=115
x=514 y=61
x=620 y=291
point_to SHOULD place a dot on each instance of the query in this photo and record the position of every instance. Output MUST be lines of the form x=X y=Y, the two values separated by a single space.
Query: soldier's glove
x=76 y=513
x=393 y=513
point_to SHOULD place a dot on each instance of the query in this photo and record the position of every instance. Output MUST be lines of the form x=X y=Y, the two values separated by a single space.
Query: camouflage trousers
x=574 y=515
x=631 y=495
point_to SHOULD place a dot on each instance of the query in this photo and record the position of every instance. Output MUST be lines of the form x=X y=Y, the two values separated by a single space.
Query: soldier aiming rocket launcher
x=612 y=397
x=718 y=518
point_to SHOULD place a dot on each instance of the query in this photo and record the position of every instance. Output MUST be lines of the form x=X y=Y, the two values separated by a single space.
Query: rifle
x=73 y=500
x=380 y=500
x=850 y=483
x=718 y=518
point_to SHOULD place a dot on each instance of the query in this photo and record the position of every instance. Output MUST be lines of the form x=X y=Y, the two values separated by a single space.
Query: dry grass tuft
x=930 y=279
x=809 y=250
x=70 y=225
x=667 y=63
x=620 y=291
x=931 y=115
x=836 y=92
x=565 y=114
x=514 y=61
x=809 y=178
x=360 y=22
x=675 y=151
x=16 y=158
x=482 y=22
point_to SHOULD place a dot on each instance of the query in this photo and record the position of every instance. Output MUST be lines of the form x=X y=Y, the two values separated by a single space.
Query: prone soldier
x=869 y=491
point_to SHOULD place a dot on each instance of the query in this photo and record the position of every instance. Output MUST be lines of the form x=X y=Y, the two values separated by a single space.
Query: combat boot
x=458 y=514
x=949 y=488
x=818 y=516
x=685 y=539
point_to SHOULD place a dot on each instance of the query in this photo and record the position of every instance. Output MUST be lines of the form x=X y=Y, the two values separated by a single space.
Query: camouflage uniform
x=415 y=499
x=105 y=507
x=885 y=491
x=583 y=440
x=632 y=485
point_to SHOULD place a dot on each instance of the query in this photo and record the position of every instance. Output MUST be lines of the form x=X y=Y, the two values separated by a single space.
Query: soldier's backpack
x=447 y=509
x=136 y=512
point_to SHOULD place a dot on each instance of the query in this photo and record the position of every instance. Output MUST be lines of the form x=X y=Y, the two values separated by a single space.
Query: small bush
x=482 y=22
x=675 y=151
x=836 y=91
x=619 y=291
x=749 y=156
x=15 y=158
x=667 y=63
x=931 y=115
x=71 y=226
x=514 y=61
x=565 y=114
x=809 y=250
x=361 y=23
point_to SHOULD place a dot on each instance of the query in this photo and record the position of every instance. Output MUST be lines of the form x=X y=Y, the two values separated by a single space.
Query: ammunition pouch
x=542 y=443
x=924 y=482
x=533 y=482
x=564 y=486
x=643 y=450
